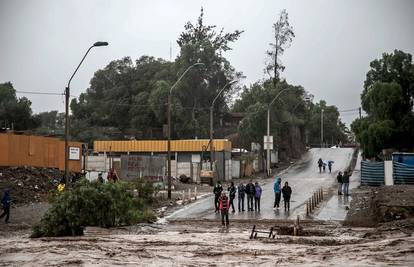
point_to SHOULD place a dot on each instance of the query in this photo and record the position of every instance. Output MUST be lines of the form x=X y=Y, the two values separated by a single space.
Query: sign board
x=74 y=153
x=195 y=158
x=268 y=142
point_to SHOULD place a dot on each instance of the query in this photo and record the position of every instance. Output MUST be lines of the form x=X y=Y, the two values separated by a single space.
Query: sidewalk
x=336 y=207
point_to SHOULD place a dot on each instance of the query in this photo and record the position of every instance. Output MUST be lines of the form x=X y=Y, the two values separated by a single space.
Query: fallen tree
x=96 y=204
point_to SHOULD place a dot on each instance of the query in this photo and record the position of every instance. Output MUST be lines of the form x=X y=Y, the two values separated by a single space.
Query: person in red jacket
x=224 y=206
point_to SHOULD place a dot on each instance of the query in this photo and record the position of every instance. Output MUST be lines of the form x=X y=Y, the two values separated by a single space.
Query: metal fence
x=135 y=166
x=403 y=173
x=372 y=173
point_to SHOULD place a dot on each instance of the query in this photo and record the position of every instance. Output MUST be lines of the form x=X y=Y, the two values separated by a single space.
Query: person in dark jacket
x=345 y=181
x=250 y=191
x=320 y=164
x=330 y=162
x=217 y=193
x=277 y=187
x=339 y=179
x=241 y=190
x=5 y=201
x=257 y=196
x=224 y=206
x=232 y=195
x=286 y=192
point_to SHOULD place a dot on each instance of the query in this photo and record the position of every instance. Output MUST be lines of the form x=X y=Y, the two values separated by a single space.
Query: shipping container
x=156 y=146
x=38 y=151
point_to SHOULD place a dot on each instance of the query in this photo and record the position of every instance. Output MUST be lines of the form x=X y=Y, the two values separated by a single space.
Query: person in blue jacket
x=5 y=201
x=277 y=188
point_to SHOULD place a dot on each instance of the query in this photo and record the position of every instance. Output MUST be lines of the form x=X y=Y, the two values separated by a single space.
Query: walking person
x=340 y=181
x=217 y=193
x=250 y=191
x=277 y=190
x=257 y=196
x=287 y=192
x=320 y=164
x=232 y=194
x=5 y=201
x=241 y=193
x=330 y=162
x=345 y=181
x=224 y=206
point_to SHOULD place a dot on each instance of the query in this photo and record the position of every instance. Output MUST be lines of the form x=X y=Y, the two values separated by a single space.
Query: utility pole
x=321 y=128
x=169 y=145
x=211 y=137
x=360 y=115
x=66 y=135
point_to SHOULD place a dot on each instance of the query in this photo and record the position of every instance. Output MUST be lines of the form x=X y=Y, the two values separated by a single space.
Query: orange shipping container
x=38 y=151
x=160 y=145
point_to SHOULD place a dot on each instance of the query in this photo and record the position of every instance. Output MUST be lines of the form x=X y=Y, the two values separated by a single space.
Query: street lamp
x=169 y=126
x=322 y=127
x=67 y=94
x=268 y=129
x=211 y=121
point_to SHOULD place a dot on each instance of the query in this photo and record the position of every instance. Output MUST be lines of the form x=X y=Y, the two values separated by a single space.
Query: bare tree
x=283 y=34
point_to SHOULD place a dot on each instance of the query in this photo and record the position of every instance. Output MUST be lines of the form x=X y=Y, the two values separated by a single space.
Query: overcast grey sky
x=41 y=42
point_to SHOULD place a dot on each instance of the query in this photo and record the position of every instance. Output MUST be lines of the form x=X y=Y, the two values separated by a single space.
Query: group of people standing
x=223 y=203
x=343 y=183
x=253 y=193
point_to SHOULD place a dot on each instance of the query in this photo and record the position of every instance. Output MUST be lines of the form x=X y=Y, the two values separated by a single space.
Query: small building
x=188 y=157
x=38 y=151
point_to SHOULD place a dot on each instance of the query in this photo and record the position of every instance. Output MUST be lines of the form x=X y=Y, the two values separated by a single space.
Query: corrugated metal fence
x=372 y=173
x=403 y=173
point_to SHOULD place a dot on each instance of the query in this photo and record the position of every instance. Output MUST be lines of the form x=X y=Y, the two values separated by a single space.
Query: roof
x=192 y=145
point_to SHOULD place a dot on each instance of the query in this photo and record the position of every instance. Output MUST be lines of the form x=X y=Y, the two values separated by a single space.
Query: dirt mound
x=28 y=184
x=371 y=206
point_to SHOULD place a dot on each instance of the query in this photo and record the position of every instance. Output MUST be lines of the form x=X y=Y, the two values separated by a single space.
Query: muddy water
x=204 y=245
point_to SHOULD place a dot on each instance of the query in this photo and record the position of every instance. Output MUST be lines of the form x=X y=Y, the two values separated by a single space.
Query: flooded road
x=303 y=177
x=206 y=244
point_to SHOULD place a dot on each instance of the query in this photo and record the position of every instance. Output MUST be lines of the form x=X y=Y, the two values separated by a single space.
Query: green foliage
x=16 y=111
x=96 y=204
x=128 y=95
x=333 y=129
x=387 y=99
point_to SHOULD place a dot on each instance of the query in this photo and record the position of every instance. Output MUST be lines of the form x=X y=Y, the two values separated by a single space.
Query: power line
x=38 y=93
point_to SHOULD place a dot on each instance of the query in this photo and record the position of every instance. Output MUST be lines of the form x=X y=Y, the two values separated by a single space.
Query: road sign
x=268 y=142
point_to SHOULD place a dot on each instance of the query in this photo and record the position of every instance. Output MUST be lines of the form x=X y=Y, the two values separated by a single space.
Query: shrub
x=96 y=204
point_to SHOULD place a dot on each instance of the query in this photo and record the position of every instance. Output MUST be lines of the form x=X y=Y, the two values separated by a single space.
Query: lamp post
x=211 y=122
x=67 y=94
x=322 y=127
x=169 y=126
x=268 y=130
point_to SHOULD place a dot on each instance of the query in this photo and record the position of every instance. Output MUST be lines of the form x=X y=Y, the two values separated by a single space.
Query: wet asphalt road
x=303 y=177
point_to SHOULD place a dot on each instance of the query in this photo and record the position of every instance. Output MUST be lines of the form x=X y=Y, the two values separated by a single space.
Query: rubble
x=28 y=184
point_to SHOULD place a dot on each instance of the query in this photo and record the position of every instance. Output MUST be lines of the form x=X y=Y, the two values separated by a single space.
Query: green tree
x=126 y=96
x=387 y=98
x=15 y=112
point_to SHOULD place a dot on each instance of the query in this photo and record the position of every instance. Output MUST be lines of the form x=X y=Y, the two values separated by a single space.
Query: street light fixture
x=169 y=125
x=211 y=121
x=268 y=130
x=67 y=94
